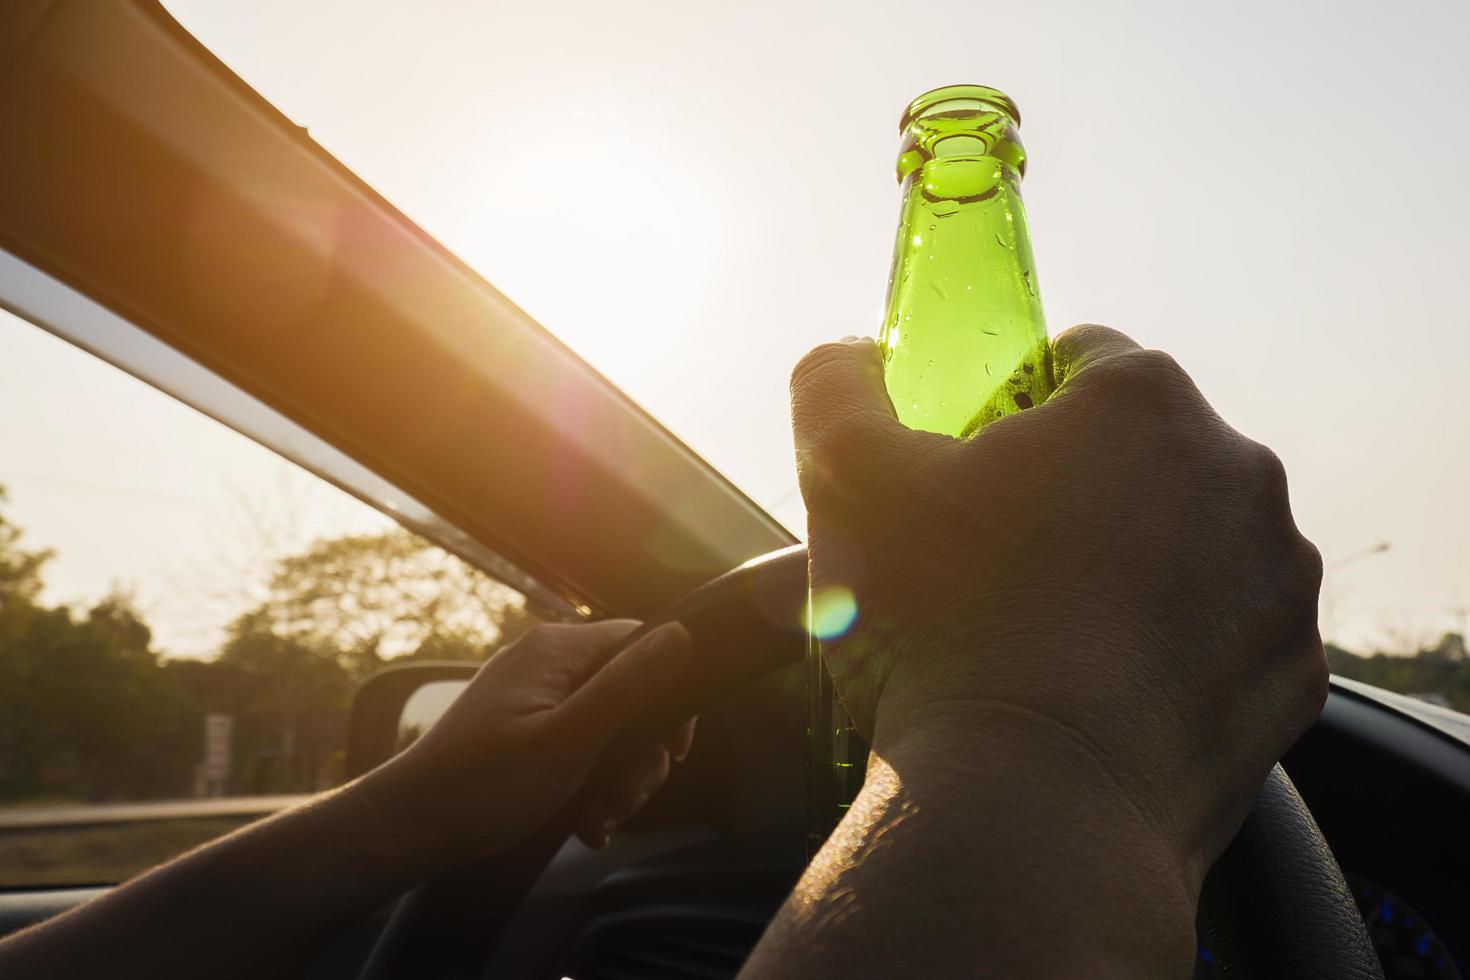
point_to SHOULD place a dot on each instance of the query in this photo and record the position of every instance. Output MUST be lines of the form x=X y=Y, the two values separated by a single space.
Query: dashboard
x=1407 y=944
x=1388 y=780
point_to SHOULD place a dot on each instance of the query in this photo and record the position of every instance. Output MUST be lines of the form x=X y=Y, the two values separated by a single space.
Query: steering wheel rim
x=1274 y=905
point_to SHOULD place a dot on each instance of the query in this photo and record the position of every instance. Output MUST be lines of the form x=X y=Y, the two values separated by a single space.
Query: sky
x=692 y=194
x=136 y=492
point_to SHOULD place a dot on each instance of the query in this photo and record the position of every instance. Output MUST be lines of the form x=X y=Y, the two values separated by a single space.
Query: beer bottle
x=963 y=338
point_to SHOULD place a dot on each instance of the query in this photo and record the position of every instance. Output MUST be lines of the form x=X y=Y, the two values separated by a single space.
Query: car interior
x=123 y=114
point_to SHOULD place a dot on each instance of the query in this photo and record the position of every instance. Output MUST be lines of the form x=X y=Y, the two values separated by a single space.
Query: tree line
x=1439 y=673
x=91 y=711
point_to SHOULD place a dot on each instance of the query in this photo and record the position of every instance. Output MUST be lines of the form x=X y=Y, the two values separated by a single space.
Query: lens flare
x=831 y=613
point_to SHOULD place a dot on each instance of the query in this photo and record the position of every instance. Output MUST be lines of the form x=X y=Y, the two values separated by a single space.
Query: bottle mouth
x=959 y=97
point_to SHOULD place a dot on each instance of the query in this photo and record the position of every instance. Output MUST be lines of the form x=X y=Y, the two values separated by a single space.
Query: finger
x=627 y=774
x=572 y=643
x=836 y=381
x=1079 y=348
x=839 y=404
x=588 y=651
x=680 y=739
x=636 y=678
x=568 y=652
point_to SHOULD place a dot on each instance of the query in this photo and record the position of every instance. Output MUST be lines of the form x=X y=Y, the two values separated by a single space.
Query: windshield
x=692 y=195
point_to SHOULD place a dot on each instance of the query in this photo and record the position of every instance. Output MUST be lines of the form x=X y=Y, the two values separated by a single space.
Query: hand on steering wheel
x=531 y=735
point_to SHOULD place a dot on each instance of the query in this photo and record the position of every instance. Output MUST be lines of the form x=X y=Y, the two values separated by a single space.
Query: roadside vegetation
x=91 y=711
x=1438 y=673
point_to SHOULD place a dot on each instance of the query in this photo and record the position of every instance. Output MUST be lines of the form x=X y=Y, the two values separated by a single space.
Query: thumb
x=636 y=678
x=839 y=404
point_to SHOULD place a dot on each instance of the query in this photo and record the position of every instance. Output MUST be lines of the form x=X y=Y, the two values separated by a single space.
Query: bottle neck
x=962 y=135
x=964 y=336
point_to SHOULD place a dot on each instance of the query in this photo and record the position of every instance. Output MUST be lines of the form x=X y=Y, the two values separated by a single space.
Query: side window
x=184 y=617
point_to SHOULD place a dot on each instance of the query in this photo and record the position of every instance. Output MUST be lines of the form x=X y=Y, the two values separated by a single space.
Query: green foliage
x=85 y=711
x=89 y=710
x=20 y=579
x=362 y=600
x=1440 y=672
x=333 y=614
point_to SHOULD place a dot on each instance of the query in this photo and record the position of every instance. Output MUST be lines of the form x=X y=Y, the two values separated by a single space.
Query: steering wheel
x=1274 y=905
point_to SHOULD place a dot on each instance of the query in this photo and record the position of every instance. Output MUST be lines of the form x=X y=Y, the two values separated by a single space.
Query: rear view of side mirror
x=396 y=705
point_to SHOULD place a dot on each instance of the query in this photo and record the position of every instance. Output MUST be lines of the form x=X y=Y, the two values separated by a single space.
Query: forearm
x=955 y=860
x=259 y=902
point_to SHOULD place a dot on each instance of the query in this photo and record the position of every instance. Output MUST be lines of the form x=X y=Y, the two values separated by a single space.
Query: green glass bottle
x=963 y=337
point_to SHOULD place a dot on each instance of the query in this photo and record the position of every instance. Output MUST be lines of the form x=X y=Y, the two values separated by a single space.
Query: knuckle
x=1147 y=379
x=1108 y=378
x=1157 y=363
x=1310 y=561
x=533 y=639
x=1160 y=383
x=1085 y=345
x=1316 y=680
x=817 y=362
x=829 y=422
x=1083 y=337
x=1270 y=471
x=544 y=633
x=1159 y=367
x=544 y=637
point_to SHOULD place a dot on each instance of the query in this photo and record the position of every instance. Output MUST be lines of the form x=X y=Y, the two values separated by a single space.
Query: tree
x=89 y=710
x=89 y=713
x=334 y=613
x=290 y=701
x=1441 y=671
x=366 y=599
x=20 y=578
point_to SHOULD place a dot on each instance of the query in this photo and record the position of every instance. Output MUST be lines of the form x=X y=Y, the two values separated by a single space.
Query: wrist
x=387 y=800
x=1114 y=881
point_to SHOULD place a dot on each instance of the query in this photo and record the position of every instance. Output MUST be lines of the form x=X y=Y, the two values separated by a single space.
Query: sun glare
x=614 y=246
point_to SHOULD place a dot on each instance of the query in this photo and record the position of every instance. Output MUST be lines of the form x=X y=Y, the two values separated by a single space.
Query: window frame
x=50 y=305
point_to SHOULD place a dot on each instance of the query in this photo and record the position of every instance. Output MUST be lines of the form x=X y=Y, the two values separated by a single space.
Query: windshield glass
x=692 y=195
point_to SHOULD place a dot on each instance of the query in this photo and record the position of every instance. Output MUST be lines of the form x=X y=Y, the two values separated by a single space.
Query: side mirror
x=396 y=705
